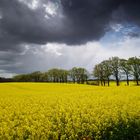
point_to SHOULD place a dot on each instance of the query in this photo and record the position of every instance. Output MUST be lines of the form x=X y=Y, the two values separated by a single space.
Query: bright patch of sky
x=58 y=55
x=120 y=33
x=52 y=48
x=55 y=55
x=32 y=4
x=6 y=74
x=52 y=10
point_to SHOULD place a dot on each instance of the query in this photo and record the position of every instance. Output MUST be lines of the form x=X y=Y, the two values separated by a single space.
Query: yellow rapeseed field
x=43 y=111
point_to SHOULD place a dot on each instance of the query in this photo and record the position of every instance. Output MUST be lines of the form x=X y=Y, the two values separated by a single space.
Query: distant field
x=42 y=111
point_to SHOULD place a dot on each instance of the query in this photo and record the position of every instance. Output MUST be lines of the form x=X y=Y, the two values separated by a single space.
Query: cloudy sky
x=42 y=34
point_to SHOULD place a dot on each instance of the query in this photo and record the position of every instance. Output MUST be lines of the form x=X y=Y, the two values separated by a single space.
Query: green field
x=42 y=111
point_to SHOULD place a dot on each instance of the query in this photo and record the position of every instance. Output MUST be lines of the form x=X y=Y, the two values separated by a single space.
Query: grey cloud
x=91 y=18
x=81 y=20
x=75 y=23
x=9 y=61
x=38 y=58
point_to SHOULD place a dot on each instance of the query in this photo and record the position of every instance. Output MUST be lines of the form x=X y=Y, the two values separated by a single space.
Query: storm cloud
x=72 y=22
x=27 y=25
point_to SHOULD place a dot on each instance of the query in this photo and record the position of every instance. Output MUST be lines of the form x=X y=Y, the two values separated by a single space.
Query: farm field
x=43 y=111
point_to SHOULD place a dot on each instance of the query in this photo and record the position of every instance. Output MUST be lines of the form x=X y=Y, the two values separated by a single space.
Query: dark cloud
x=82 y=21
x=90 y=18
x=73 y=22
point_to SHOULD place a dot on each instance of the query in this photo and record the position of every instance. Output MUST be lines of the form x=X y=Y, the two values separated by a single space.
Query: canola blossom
x=47 y=111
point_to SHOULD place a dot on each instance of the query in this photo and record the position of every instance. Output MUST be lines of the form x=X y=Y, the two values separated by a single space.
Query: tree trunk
x=137 y=81
x=104 y=82
x=101 y=83
x=127 y=79
x=117 y=80
x=98 y=81
x=108 y=81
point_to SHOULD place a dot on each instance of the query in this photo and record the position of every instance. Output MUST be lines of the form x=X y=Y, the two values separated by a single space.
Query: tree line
x=113 y=68
x=117 y=68
x=76 y=75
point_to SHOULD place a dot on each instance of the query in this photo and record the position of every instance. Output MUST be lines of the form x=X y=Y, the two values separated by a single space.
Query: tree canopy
x=114 y=68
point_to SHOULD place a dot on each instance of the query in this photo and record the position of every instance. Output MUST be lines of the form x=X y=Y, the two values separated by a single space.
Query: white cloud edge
x=61 y=55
